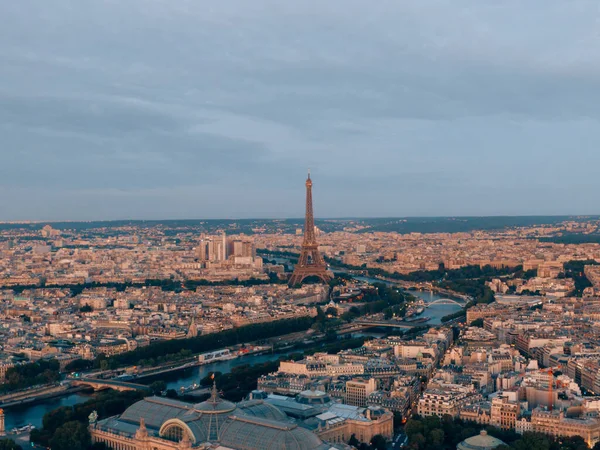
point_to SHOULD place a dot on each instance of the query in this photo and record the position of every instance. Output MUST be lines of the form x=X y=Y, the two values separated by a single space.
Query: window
x=174 y=433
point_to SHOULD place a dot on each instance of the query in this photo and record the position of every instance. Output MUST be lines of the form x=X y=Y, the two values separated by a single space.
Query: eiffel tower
x=310 y=263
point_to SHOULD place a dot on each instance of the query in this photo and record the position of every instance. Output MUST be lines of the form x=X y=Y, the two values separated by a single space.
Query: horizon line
x=30 y=222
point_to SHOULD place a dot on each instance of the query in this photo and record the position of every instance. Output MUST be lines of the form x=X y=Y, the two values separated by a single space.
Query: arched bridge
x=444 y=301
x=99 y=385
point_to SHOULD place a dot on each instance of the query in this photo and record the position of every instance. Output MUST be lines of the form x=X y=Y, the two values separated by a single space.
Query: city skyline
x=147 y=110
x=299 y=225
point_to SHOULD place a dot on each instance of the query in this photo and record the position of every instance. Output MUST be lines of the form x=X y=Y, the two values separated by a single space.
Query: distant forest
x=573 y=238
x=251 y=226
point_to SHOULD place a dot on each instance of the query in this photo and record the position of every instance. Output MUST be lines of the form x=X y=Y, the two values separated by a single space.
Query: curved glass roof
x=252 y=433
x=258 y=408
x=156 y=411
x=219 y=407
x=250 y=425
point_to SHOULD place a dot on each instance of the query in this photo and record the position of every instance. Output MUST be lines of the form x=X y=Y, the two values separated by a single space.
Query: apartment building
x=357 y=391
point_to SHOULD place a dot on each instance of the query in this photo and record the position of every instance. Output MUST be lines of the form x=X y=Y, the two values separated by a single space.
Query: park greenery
x=384 y=298
x=165 y=284
x=23 y=376
x=468 y=280
x=177 y=349
x=65 y=428
x=574 y=270
x=435 y=433
x=477 y=323
x=8 y=444
x=378 y=442
x=456 y=315
x=380 y=298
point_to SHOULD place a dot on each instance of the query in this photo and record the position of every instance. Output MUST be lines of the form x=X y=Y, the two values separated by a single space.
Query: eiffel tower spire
x=310 y=262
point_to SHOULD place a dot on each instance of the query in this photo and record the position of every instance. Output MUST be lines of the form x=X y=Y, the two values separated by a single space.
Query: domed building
x=482 y=441
x=158 y=423
x=313 y=397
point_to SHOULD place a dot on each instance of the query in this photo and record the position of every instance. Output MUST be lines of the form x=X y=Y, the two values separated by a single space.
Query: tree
x=378 y=442
x=30 y=374
x=172 y=393
x=435 y=438
x=158 y=387
x=7 y=444
x=413 y=427
x=477 y=323
x=104 y=364
x=320 y=314
x=331 y=311
x=331 y=335
x=353 y=441
x=78 y=365
x=99 y=446
x=417 y=441
x=532 y=441
x=71 y=436
x=571 y=443
x=431 y=423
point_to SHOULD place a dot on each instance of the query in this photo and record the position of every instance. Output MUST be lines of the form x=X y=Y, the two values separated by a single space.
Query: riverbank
x=32 y=413
x=181 y=375
x=21 y=415
x=40 y=396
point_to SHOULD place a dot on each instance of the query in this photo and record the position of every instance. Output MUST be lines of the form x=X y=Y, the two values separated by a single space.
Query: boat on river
x=218 y=355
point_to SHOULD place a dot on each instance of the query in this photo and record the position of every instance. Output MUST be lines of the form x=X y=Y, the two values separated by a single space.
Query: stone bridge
x=99 y=384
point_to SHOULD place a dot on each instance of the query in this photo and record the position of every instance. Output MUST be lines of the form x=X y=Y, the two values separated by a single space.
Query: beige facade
x=357 y=391
x=473 y=413
x=449 y=400
x=504 y=413
x=362 y=430
x=319 y=368
x=555 y=424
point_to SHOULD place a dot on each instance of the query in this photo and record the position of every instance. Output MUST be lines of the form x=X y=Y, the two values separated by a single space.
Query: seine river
x=22 y=415
x=434 y=312
x=19 y=416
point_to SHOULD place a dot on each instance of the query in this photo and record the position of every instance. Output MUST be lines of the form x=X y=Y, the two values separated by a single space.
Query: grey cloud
x=400 y=108
x=103 y=117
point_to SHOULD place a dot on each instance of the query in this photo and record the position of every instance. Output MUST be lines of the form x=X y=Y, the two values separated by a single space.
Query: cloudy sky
x=114 y=109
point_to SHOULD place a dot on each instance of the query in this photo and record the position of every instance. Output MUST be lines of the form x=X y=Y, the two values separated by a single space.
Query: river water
x=435 y=312
x=19 y=416
x=193 y=375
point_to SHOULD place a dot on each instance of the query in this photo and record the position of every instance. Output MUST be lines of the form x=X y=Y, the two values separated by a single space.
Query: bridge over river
x=99 y=384
x=445 y=301
x=368 y=322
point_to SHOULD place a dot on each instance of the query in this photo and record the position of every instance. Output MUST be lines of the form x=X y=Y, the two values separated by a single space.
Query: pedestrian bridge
x=444 y=301
x=99 y=385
